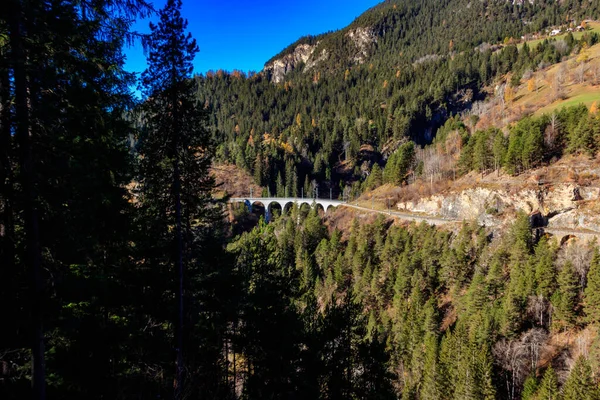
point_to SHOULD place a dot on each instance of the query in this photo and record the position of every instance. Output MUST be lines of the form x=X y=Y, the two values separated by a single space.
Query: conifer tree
x=430 y=388
x=499 y=150
x=548 y=389
x=579 y=384
x=486 y=389
x=176 y=152
x=63 y=167
x=529 y=388
x=545 y=274
x=280 y=188
x=592 y=291
x=476 y=295
x=565 y=298
x=265 y=307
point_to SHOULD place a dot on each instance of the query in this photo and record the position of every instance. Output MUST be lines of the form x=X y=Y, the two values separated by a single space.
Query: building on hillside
x=555 y=32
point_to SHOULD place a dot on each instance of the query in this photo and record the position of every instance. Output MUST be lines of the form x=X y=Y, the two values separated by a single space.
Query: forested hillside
x=417 y=312
x=124 y=275
x=418 y=63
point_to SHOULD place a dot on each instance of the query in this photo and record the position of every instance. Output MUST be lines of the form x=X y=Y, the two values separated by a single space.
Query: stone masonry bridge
x=284 y=202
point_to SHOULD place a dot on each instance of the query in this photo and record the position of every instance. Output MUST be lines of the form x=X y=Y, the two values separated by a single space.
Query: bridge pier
x=249 y=205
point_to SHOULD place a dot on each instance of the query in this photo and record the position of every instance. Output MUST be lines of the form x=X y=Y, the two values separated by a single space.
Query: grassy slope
x=594 y=25
x=542 y=100
x=576 y=93
x=579 y=94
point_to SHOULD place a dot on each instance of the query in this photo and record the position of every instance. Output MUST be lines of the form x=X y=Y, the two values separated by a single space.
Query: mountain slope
x=403 y=31
x=328 y=107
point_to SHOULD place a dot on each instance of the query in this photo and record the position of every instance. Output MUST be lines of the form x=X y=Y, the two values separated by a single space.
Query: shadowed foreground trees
x=176 y=152
x=64 y=207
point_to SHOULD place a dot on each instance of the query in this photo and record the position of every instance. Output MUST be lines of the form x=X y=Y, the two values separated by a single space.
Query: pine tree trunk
x=34 y=256
x=7 y=249
x=234 y=361
x=179 y=241
x=8 y=273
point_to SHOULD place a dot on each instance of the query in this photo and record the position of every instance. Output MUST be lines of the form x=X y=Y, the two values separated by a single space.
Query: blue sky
x=245 y=34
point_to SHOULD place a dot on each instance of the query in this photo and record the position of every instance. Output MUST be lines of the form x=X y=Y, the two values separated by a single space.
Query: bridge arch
x=256 y=206
x=287 y=207
x=258 y=202
x=320 y=208
x=274 y=208
x=329 y=206
x=304 y=206
x=567 y=239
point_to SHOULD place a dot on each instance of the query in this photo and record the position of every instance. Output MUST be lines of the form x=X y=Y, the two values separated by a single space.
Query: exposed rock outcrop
x=558 y=204
x=279 y=68
x=316 y=59
x=305 y=55
x=363 y=38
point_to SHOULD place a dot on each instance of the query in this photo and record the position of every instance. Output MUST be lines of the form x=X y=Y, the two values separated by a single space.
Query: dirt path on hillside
x=403 y=215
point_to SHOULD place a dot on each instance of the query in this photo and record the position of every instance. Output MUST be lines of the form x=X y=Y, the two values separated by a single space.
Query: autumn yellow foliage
x=509 y=94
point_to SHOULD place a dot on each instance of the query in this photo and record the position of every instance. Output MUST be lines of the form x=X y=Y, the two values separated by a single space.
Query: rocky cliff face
x=562 y=205
x=279 y=68
x=362 y=40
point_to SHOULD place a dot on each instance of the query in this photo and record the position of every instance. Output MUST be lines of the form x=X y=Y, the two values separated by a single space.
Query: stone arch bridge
x=283 y=202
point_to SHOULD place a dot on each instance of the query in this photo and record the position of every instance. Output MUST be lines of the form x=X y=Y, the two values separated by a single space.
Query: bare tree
x=365 y=169
x=583 y=343
x=580 y=72
x=512 y=356
x=538 y=307
x=432 y=163
x=346 y=148
x=346 y=193
x=558 y=82
x=541 y=77
x=314 y=188
x=518 y=357
x=561 y=46
x=580 y=256
x=551 y=132
x=500 y=89
x=453 y=147
x=533 y=340
x=596 y=73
